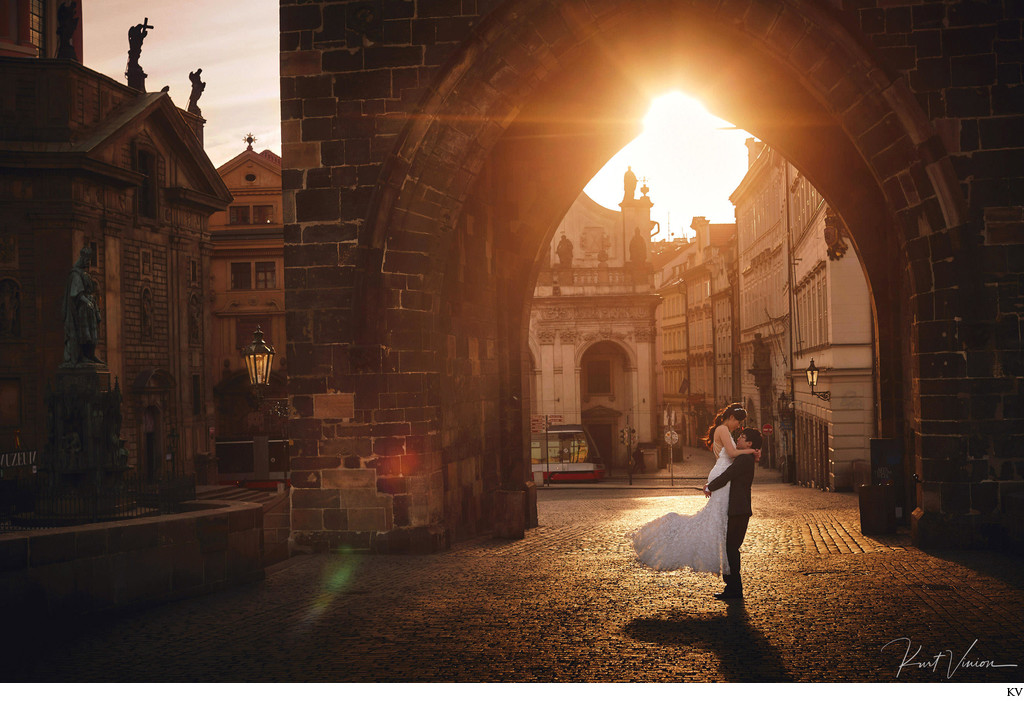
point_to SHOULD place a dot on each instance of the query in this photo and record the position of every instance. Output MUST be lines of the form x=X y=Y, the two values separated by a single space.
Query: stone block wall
x=97 y=568
x=409 y=126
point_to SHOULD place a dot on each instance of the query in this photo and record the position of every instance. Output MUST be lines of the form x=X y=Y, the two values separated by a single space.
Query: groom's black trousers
x=735 y=532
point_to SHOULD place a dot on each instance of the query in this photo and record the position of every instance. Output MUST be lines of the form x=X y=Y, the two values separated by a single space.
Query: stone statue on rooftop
x=136 y=76
x=197 y=91
x=67 y=24
x=629 y=185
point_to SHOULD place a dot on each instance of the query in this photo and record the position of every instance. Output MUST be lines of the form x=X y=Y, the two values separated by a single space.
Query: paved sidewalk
x=569 y=603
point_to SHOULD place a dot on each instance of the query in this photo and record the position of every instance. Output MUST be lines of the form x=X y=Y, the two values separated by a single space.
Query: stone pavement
x=569 y=603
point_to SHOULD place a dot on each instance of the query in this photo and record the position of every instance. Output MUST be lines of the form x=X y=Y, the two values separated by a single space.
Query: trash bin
x=877 y=508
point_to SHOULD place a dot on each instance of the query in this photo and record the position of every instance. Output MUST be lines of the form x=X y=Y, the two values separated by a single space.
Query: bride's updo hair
x=733 y=410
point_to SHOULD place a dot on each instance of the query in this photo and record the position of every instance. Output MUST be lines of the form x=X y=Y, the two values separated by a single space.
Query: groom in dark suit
x=741 y=475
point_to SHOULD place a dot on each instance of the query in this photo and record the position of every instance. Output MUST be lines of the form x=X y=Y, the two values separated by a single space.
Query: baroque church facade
x=88 y=162
x=592 y=326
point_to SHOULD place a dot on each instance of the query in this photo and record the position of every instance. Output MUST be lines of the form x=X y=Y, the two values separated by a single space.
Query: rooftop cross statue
x=81 y=314
x=197 y=91
x=67 y=24
x=136 y=76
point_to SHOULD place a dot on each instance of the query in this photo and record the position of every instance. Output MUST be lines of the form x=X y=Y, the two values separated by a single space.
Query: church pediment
x=152 y=119
x=265 y=167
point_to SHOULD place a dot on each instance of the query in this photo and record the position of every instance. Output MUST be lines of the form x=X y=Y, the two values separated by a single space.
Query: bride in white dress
x=696 y=541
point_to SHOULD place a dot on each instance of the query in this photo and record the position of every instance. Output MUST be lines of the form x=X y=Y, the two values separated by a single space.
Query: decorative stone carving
x=546 y=336
x=195 y=322
x=834 y=235
x=645 y=334
x=146 y=313
x=567 y=337
x=584 y=313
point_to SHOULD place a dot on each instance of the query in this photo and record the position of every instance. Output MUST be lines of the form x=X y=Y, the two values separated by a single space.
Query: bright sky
x=692 y=159
x=236 y=44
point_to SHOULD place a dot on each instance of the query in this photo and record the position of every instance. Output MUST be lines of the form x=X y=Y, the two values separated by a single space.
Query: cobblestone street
x=569 y=603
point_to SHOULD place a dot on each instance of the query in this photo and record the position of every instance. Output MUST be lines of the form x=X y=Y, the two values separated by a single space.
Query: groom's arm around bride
x=741 y=476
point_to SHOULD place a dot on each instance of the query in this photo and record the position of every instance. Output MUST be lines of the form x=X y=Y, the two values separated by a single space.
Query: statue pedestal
x=84 y=424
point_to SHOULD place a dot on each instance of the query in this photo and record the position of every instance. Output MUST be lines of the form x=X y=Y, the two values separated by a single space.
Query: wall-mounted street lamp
x=259 y=360
x=812 y=380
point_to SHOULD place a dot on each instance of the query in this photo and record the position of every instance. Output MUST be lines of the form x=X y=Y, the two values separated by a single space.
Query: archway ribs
x=430 y=147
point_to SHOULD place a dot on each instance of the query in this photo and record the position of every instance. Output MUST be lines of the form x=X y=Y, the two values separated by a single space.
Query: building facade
x=833 y=327
x=246 y=293
x=671 y=344
x=89 y=162
x=704 y=274
x=763 y=343
x=592 y=330
x=788 y=276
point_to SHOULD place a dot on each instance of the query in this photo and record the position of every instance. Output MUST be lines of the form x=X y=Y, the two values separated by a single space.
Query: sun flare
x=691 y=159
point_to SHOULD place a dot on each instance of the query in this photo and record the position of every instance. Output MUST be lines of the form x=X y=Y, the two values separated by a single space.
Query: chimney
x=702 y=226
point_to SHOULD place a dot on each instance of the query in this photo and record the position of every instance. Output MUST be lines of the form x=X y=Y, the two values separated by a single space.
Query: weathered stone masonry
x=430 y=146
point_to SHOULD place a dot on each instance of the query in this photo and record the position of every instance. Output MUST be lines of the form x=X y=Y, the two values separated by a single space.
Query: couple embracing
x=709 y=540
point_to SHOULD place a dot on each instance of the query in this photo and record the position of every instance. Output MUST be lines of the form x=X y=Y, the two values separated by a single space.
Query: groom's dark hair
x=753 y=436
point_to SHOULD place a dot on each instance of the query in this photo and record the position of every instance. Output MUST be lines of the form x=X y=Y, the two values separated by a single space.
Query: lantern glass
x=259 y=359
x=812 y=375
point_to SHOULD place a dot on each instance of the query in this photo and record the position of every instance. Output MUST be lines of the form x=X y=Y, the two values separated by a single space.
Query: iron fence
x=33 y=503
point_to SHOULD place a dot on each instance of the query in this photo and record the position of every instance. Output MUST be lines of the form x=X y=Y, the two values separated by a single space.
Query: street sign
x=671 y=437
x=767 y=429
x=538 y=425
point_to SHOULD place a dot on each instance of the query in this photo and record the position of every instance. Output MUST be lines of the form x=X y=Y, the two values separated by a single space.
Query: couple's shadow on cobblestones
x=743 y=652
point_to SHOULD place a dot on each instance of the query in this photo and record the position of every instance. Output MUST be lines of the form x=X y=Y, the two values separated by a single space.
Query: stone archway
x=410 y=314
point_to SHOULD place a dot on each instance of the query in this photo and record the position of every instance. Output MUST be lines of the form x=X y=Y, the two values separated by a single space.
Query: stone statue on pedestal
x=564 y=252
x=81 y=313
x=637 y=248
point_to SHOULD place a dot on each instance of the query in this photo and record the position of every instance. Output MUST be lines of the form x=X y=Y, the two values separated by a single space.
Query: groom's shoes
x=727 y=594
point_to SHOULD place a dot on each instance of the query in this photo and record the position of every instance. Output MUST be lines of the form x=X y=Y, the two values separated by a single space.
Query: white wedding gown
x=696 y=541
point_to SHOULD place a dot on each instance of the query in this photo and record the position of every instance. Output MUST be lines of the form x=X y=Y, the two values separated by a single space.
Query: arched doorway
x=607 y=399
x=444 y=255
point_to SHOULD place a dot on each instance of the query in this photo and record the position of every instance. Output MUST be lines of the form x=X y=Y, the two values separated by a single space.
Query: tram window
x=561 y=447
